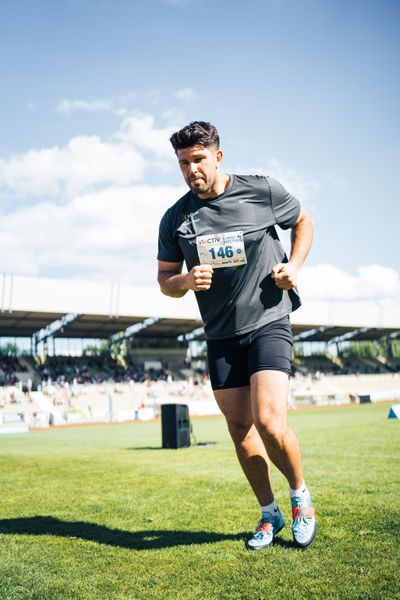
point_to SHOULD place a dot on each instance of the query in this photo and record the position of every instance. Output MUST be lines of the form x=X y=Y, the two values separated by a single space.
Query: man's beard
x=204 y=188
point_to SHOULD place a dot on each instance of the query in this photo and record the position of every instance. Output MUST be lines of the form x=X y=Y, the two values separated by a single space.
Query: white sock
x=302 y=491
x=269 y=508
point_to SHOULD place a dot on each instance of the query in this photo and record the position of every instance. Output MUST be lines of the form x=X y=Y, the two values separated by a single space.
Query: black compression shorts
x=232 y=361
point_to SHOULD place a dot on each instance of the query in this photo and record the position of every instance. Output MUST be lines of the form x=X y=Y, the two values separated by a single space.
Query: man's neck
x=221 y=185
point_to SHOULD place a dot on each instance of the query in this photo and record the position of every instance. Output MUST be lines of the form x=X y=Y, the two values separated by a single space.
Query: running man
x=224 y=231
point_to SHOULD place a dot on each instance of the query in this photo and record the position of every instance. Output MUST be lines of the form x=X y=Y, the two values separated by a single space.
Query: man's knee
x=272 y=430
x=240 y=431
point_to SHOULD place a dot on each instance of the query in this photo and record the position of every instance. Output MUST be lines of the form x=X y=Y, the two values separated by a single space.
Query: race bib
x=222 y=249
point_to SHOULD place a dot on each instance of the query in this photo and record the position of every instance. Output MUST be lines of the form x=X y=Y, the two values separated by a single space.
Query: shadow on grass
x=146 y=448
x=137 y=540
x=193 y=445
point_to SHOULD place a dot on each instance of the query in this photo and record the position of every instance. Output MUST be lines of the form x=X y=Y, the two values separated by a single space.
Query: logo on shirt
x=187 y=217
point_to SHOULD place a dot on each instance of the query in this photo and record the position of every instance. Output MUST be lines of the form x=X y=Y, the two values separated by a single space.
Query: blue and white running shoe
x=304 y=526
x=268 y=526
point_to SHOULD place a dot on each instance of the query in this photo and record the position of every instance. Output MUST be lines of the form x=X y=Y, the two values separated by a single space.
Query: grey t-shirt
x=241 y=298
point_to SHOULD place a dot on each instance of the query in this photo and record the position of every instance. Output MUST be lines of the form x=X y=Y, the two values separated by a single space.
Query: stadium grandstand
x=77 y=351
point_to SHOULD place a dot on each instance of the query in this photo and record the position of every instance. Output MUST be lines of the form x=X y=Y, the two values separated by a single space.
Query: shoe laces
x=264 y=526
x=299 y=501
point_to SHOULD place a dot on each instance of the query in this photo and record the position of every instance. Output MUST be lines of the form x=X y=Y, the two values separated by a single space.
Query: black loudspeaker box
x=365 y=399
x=175 y=425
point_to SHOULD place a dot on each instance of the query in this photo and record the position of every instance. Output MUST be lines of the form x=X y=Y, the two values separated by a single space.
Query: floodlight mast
x=133 y=329
x=52 y=328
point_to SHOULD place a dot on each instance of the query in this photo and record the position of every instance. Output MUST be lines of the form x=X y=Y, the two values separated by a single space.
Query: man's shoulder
x=252 y=180
x=176 y=213
x=244 y=183
x=178 y=206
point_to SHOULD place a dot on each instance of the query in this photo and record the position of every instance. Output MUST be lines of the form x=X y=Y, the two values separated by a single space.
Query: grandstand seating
x=342 y=365
x=366 y=365
x=64 y=390
x=10 y=369
x=317 y=363
x=96 y=369
x=33 y=372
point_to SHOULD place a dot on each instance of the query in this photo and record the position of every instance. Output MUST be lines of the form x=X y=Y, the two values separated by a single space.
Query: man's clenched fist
x=285 y=275
x=200 y=277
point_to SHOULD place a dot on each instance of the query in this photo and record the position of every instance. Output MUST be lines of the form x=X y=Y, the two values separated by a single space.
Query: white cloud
x=129 y=103
x=85 y=162
x=96 y=222
x=295 y=182
x=106 y=226
x=67 y=106
x=328 y=282
x=109 y=234
x=187 y=94
x=141 y=132
x=88 y=162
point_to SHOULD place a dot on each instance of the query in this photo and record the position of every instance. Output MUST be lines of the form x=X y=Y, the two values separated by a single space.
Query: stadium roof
x=74 y=309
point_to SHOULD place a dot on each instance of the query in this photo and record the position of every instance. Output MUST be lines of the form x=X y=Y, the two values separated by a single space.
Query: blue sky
x=306 y=90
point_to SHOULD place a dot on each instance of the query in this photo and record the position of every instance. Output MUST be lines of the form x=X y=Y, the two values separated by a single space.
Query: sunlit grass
x=104 y=512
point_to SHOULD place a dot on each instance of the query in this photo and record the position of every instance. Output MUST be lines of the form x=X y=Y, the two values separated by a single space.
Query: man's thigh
x=235 y=405
x=269 y=390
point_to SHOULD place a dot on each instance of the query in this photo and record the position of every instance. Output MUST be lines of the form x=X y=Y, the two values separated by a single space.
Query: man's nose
x=193 y=168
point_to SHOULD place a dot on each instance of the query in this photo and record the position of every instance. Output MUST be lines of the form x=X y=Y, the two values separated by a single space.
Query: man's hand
x=285 y=275
x=199 y=278
x=176 y=284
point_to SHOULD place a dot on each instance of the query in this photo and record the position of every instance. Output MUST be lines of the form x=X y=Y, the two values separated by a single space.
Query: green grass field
x=104 y=513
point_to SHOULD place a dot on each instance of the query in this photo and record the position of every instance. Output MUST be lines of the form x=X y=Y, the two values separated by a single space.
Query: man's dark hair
x=197 y=133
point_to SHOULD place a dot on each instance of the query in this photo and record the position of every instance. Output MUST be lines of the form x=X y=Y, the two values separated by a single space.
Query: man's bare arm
x=174 y=283
x=285 y=274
